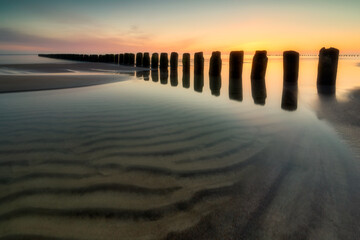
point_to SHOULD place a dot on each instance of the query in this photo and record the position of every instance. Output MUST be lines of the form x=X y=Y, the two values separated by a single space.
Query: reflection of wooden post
x=174 y=58
x=186 y=63
x=164 y=75
x=164 y=61
x=147 y=75
x=327 y=69
x=132 y=59
x=259 y=65
x=155 y=75
x=199 y=63
x=289 y=98
x=121 y=62
x=174 y=77
x=198 y=82
x=215 y=64
x=154 y=61
x=236 y=64
x=146 y=60
x=139 y=59
x=215 y=84
x=291 y=67
x=186 y=80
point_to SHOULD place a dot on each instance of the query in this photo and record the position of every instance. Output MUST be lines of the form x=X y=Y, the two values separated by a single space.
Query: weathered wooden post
x=199 y=63
x=154 y=61
x=259 y=65
x=174 y=58
x=289 y=97
x=164 y=61
x=215 y=84
x=327 y=70
x=132 y=59
x=126 y=59
x=164 y=75
x=174 y=77
x=155 y=75
x=215 y=64
x=146 y=60
x=291 y=67
x=236 y=64
x=186 y=63
x=139 y=59
x=186 y=80
x=121 y=61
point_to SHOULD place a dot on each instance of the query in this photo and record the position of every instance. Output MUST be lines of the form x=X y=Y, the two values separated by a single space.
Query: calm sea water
x=163 y=156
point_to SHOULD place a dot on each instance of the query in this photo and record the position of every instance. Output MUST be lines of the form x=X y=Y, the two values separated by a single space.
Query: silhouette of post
x=174 y=77
x=186 y=63
x=164 y=61
x=116 y=59
x=236 y=64
x=139 y=59
x=258 y=90
x=327 y=70
x=215 y=84
x=146 y=60
x=154 y=61
x=126 y=59
x=291 y=67
x=199 y=63
x=121 y=61
x=164 y=75
x=174 y=58
x=186 y=80
x=235 y=88
x=131 y=59
x=259 y=65
x=215 y=64
x=155 y=75
x=289 y=97
x=198 y=82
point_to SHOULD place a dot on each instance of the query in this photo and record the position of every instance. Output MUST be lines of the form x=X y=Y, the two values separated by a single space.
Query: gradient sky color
x=178 y=25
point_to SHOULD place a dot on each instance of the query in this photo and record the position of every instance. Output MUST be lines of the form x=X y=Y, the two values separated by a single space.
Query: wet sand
x=34 y=77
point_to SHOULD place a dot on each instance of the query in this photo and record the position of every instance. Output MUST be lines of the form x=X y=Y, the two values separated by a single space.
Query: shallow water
x=154 y=157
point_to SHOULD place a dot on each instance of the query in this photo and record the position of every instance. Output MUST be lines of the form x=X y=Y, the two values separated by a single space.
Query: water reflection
x=235 y=89
x=258 y=90
x=186 y=80
x=174 y=77
x=289 y=97
x=155 y=75
x=215 y=84
x=198 y=82
x=146 y=75
x=139 y=74
x=164 y=75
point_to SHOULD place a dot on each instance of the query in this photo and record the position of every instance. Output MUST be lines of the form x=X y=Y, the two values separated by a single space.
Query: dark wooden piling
x=154 y=61
x=155 y=75
x=259 y=65
x=199 y=63
x=186 y=63
x=215 y=84
x=131 y=59
x=236 y=64
x=215 y=64
x=174 y=77
x=164 y=61
x=121 y=60
x=174 y=58
x=289 y=97
x=139 y=59
x=146 y=60
x=291 y=67
x=126 y=59
x=327 y=70
x=164 y=75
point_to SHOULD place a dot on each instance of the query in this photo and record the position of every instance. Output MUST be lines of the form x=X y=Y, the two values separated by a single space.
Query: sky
x=109 y=26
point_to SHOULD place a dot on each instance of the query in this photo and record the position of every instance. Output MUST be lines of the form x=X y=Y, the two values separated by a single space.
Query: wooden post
x=259 y=65
x=154 y=61
x=121 y=62
x=174 y=58
x=291 y=67
x=146 y=60
x=236 y=64
x=215 y=64
x=199 y=63
x=186 y=63
x=126 y=59
x=327 y=70
x=132 y=59
x=139 y=59
x=164 y=61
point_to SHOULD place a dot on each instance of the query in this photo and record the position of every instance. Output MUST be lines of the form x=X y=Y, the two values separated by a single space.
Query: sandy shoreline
x=49 y=76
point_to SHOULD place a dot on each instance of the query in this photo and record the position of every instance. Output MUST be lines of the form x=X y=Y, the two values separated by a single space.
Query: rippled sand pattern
x=85 y=165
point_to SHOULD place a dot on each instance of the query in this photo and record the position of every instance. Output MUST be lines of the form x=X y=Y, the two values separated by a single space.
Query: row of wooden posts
x=327 y=67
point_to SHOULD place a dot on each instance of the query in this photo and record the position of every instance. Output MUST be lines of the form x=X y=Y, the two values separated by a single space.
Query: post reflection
x=186 y=80
x=164 y=75
x=198 y=82
x=139 y=74
x=174 y=77
x=235 y=89
x=258 y=90
x=146 y=75
x=215 y=84
x=289 y=97
x=155 y=75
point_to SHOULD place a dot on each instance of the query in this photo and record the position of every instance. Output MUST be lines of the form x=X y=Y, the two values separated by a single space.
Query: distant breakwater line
x=327 y=66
